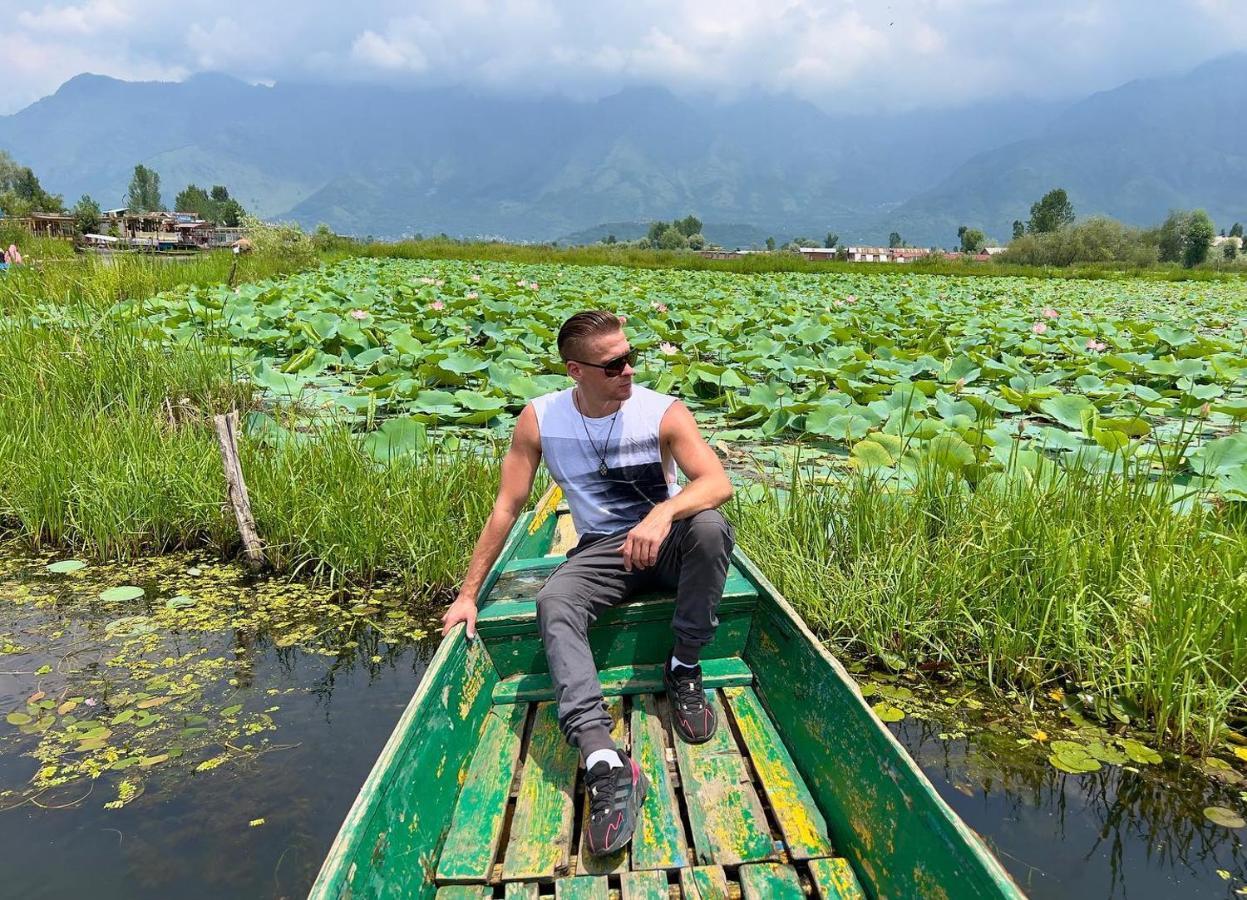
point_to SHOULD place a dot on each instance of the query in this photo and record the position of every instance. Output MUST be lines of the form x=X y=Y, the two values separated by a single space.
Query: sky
x=852 y=55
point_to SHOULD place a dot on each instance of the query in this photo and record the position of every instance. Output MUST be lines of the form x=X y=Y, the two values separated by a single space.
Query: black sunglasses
x=612 y=368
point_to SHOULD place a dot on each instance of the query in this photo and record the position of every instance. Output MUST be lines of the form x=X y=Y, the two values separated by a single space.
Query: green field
x=1034 y=482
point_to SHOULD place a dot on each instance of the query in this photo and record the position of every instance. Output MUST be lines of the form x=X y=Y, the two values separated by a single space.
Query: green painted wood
x=622 y=680
x=586 y=862
x=464 y=892
x=834 y=879
x=659 y=841
x=704 y=883
x=582 y=887
x=514 y=610
x=535 y=564
x=881 y=811
x=643 y=886
x=800 y=822
x=518 y=530
x=389 y=841
x=522 y=890
x=539 y=847
x=535 y=539
x=472 y=844
x=770 y=881
x=728 y=822
x=625 y=644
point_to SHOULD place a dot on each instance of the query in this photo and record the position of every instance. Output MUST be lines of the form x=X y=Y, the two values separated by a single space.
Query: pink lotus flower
x=1097 y=346
x=668 y=349
x=473 y=295
x=1205 y=410
x=1050 y=313
x=437 y=304
x=852 y=298
x=1039 y=328
x=533 y=285
x=90 y=701
x=661 y=307
x=359 y=314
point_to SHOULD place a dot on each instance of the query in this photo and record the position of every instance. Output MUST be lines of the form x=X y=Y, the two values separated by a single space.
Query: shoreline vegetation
x=1096 y=584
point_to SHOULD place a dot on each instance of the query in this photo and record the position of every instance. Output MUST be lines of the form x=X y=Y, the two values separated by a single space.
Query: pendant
x=602 y=470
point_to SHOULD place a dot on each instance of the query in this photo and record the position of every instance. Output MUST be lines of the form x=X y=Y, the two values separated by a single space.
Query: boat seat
x=633 y=633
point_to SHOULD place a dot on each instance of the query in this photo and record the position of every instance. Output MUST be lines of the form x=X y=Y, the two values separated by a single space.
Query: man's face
x=593 y=380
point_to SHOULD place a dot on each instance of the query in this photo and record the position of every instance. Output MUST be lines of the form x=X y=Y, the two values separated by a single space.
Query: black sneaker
x=691 y=716
x=614 y=795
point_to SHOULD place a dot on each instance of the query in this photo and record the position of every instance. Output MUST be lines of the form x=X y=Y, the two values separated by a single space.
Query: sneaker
x=614 y=795
x=692 y=717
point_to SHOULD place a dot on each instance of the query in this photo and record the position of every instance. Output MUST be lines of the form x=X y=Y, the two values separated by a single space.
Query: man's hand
x=640 y=547
x=462 y=610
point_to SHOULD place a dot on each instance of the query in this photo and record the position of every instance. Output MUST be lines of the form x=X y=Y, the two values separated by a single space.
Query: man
x=613 y=448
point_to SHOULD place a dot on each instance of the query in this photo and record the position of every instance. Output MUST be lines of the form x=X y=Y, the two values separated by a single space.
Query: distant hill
x=1133 y=153
x=387 y=162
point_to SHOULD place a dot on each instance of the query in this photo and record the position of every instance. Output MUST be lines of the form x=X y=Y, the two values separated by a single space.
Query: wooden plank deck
x=731 y=817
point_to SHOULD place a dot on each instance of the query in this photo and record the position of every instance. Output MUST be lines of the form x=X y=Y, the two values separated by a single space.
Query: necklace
x=602 y=469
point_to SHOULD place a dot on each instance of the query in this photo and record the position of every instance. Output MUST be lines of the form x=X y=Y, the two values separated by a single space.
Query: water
x=1107 y=834
x=323 y=680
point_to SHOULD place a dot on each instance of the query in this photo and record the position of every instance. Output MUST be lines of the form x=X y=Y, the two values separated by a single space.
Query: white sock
x=607 y=756
x=677 y=663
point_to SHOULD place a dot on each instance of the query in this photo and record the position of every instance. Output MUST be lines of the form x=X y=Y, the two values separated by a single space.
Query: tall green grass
x=1072 y=579
x=106 y=447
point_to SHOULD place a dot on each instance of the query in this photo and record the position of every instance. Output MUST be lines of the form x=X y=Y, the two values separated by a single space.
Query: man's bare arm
x=708 y=487
x=519 y=467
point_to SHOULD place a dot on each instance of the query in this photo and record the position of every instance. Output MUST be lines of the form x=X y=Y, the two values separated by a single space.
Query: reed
x=1091 y=584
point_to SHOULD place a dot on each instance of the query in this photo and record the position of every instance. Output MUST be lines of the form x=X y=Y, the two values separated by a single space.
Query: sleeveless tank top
x=637 y=477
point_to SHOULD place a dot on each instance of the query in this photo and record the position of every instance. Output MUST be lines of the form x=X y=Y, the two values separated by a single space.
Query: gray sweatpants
x=693 y=559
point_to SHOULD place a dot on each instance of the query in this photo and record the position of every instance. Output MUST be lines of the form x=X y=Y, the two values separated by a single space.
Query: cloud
x=846 y=54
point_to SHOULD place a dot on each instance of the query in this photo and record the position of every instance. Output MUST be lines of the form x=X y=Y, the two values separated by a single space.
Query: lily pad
x=121 y=594
x=1226 y=818
x=888 y=713
x=18 y=718
x=1140 y=753
x=180 y=602
x=65 y=566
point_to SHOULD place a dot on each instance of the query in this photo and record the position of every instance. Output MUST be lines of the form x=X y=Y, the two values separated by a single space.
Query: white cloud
x=838 y=53
x=85 y=19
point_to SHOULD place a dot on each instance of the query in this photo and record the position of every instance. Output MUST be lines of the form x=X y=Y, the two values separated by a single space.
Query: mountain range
x=389 y=162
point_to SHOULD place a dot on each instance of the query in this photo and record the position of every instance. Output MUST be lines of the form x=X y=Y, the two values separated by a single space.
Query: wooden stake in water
x=227 y=437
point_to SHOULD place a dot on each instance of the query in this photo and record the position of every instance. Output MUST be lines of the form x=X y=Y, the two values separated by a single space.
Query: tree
x=654 y=235
x=1236 y=230
x=231 y=213
x=770 y=243
x=696 y=241
x=611 y=239
x=1231 y=251
x=972 y=239
x=220 y=194
x=1018 y=229
x=86 y=215
x=195 y=199
x=672 y=239
x=20 y=190
x=1199 y=236
x=1185 y=237
x=688 y=226
x=1052 y=212
x=831 y=240
x=144 y=194
x=894 y=240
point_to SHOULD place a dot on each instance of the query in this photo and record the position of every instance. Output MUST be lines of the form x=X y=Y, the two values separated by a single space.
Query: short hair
x=584 y=325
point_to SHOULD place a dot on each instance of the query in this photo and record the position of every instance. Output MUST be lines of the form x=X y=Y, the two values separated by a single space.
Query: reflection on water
x=1112 y=833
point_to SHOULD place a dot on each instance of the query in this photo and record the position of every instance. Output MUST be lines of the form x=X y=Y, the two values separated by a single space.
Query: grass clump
x=1101 y=586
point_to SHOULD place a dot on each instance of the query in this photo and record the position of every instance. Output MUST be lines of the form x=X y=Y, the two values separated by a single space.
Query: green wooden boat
x=803 y=793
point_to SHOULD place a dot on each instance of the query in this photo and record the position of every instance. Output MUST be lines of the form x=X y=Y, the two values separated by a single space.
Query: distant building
x=886 y=254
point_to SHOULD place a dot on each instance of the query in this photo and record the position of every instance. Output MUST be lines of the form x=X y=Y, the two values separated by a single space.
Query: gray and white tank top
x=637 y=476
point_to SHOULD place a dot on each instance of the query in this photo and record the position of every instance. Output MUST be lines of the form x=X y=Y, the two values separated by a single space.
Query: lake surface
x=331 y=690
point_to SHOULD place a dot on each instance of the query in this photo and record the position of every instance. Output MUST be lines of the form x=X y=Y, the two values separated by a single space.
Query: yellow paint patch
x=476 y=667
